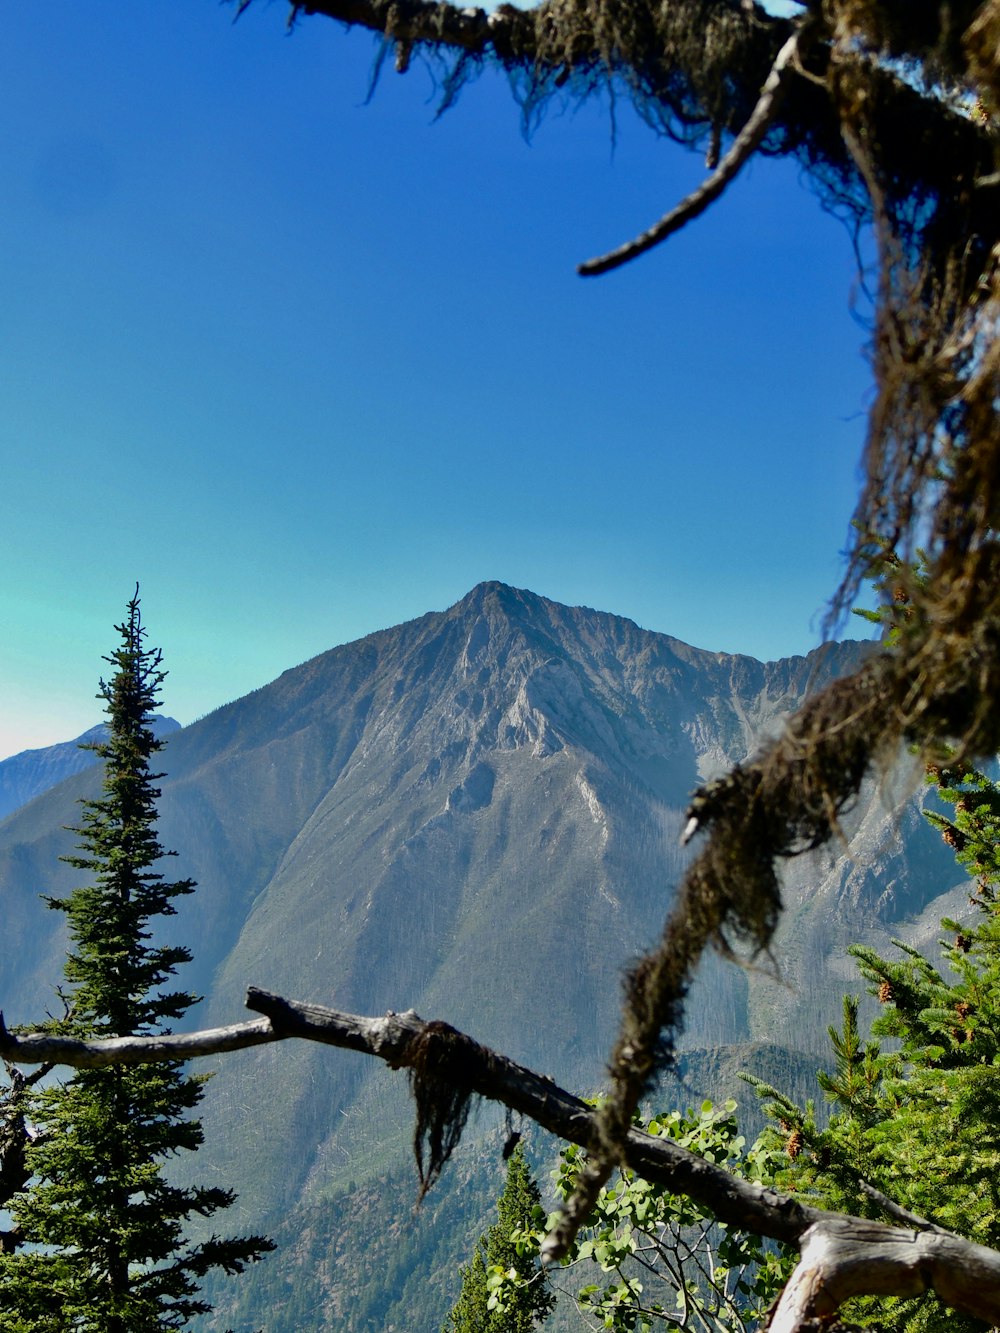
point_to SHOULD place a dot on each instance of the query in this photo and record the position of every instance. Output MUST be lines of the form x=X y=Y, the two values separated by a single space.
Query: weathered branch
x=841 y=1256
x=396 y=1038
x=38 y=1048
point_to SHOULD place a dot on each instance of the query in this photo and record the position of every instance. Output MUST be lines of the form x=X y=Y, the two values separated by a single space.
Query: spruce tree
x=915 y=1107
x=527 y=1305
x=100 y=1229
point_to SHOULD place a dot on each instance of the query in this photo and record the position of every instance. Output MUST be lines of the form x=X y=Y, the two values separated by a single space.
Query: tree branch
x=841 y=1256
x=743 y=147
x=396 y=1038
x=694 y=68
x=38 y=1048
x=897 y=1211
x=471 y=30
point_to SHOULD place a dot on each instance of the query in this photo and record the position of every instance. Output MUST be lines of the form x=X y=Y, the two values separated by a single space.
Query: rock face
x=475 y=814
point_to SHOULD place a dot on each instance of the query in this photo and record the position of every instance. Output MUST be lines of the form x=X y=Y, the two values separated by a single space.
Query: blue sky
x=306 y=368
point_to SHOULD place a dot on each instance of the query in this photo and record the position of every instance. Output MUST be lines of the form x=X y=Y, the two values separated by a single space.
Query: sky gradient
x=305 y=368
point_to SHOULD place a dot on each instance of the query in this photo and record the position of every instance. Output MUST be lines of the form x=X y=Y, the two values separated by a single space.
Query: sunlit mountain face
x=475 y=814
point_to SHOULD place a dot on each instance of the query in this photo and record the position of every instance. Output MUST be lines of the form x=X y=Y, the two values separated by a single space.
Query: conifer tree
x=498 y=1252
x=99 y=1228
x=914 y=1133
x=914 y=1129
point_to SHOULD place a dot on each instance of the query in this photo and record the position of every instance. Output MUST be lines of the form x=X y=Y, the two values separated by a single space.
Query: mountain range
x=475 y=814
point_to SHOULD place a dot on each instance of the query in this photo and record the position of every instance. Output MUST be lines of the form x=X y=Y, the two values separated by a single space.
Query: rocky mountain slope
x=475 y=814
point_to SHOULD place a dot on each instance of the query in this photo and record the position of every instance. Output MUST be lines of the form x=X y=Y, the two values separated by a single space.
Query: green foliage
x=471 y=1312
x=99 y=1230
x=895 y=584
x=503 y=1288
x=916 y=1108
x=667 y=1262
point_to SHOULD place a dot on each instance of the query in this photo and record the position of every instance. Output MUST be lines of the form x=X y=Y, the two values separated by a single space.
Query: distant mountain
x=26 y=775
x=475 y=814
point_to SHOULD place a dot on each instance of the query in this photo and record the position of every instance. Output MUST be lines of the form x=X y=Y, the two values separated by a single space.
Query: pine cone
x=953 y=837
x=793 y=1144
x=885 y=995
x=963 y=1009
x=963 y=943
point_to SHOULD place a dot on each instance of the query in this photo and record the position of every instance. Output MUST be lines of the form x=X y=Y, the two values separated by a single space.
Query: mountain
x=26 y=775
x=475 y=814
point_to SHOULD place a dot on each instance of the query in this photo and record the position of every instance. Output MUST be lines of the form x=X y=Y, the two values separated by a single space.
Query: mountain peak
x=531 y=611
x=491 y=594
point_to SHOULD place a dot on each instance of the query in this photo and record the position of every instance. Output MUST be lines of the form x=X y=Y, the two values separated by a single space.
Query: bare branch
x=746 y=143
x=841 y=1256
x=395 y=1038
x=901 y=1214
x=39 y=1048
x=846 y=1256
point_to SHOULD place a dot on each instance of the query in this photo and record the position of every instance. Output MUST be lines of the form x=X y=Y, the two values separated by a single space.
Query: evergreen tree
x=507 y=1249
x=915 y=1123
x=471 y=1312
x=99 y=1228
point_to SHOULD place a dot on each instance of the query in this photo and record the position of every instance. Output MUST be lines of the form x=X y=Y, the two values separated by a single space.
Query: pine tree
x=499 y=1251
x=100 y=1229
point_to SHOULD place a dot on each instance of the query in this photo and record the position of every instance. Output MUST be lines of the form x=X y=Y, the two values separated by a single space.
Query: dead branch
x=397 y=1039
x=36 y=1048
x=841 y=1256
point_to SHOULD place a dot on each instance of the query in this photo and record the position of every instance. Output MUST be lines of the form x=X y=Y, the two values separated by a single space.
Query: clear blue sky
x=306 y=368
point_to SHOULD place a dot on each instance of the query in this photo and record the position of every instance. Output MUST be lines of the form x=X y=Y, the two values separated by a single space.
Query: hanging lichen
x=441 y=1095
